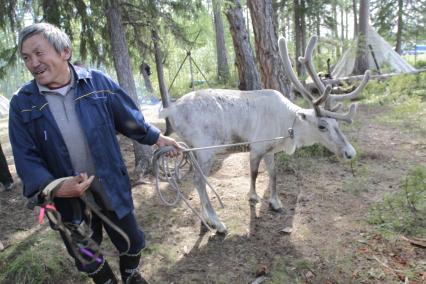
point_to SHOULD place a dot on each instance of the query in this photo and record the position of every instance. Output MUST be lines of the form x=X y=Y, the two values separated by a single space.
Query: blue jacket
x=104 y=109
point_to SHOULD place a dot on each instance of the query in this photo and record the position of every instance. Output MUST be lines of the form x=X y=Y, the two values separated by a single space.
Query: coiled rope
x=172 y=175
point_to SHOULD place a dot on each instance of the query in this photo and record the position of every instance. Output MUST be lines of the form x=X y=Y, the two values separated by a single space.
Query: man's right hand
x=74 y=187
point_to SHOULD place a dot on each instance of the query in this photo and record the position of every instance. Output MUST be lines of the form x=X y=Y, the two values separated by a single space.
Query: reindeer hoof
x=221 y=229
x=253 y=199
x=276 y=209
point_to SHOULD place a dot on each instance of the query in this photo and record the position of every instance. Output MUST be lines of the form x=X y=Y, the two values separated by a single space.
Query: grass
x=302 y=158
x=356 y=185
x=281 y=272
x=403 y=211
x=406 y=96
x=38 y=259
x=418 y=61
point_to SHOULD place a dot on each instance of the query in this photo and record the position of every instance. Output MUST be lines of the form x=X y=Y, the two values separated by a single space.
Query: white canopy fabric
x=4 y=106
x=387 y=59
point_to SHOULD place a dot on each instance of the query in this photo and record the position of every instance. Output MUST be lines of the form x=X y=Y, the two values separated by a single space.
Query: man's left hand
x=168 y=141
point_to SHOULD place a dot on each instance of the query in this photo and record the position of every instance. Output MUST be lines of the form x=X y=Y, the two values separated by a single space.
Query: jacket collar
x=80 y=73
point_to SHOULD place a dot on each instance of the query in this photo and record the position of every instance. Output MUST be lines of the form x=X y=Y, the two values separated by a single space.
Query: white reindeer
x=214 y=117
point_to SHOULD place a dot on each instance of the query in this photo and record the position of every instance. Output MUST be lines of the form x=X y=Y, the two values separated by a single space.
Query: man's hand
x=168 y=141
x=74 y=187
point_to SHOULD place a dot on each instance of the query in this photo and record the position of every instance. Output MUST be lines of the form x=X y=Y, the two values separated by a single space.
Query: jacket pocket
x=31 y=115
x=96 y=108
x=35 y=124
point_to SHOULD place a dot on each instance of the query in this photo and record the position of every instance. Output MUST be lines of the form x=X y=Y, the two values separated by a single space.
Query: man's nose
x=33 y=62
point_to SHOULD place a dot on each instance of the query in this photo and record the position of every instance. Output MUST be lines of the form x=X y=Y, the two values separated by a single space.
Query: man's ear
x=66 y=54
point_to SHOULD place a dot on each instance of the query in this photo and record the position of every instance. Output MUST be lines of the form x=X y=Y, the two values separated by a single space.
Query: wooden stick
x=415 y=241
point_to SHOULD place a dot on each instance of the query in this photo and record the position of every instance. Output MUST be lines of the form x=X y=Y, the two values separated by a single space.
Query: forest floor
x=327 y=207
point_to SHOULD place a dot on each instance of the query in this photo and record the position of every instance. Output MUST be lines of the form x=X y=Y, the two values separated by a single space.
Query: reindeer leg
x=274 y=201
x=254 y=170
x=205 y=159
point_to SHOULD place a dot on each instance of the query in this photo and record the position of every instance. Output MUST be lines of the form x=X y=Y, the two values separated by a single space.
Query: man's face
x=48 y=67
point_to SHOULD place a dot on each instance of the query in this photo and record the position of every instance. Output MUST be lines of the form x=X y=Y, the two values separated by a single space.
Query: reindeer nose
x=348 y=156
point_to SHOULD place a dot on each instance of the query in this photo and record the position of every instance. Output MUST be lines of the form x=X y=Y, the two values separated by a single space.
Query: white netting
x=387 y=59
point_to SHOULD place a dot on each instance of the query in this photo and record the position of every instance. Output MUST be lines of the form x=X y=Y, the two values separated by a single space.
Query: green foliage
x=406 y=96
x=418 y=61
x=420 y=64
x=302 y=156
x=38 y=259
x=404 y=211
x=303 y=264
x=315 y=151
x=385 y=11
x=282 y=272
x=389 y=91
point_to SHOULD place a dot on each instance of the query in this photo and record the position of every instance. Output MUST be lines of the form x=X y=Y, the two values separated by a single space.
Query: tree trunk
x=298 y=37
x=284 y=17
x=346 y=23
x=247 y=70
x=303 y=23
x=335 y=28
x=247 y=22
x=160 y=74
x=145 y=71
x=289 y=26
x=222 y=60
x=399 y=27
x=275 y=7
x=271 y=67
x=342 y=25
x=354 y=8
x=361 y=61
x=318 y=30
x=120 y=52
x=51 y=12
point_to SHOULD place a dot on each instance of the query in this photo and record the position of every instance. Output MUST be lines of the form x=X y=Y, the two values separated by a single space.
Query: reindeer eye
x=322 y=125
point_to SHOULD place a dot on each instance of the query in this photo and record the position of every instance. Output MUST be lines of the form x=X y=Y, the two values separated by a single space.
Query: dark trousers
x=5 y=176
x=128 y=224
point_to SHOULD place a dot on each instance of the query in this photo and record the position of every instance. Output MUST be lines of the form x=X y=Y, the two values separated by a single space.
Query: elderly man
x=64 y=124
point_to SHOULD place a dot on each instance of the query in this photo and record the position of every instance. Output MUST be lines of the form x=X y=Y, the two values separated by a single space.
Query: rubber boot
x=129 y=269
x=103 y=275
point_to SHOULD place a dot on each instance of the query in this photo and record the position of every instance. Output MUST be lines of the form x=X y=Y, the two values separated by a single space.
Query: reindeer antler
x=325 y=90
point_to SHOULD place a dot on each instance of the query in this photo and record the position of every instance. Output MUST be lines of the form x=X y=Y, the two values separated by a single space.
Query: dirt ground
x=326 y=205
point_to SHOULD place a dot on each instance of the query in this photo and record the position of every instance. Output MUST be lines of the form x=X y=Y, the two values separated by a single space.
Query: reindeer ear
x=302 y=115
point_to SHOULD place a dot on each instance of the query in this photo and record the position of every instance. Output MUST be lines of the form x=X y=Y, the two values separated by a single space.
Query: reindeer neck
x=303 y=134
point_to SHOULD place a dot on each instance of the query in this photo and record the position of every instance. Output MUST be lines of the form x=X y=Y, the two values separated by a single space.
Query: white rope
x=234 y=144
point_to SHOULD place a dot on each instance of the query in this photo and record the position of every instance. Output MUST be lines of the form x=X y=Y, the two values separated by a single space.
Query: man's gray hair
x=56 y=37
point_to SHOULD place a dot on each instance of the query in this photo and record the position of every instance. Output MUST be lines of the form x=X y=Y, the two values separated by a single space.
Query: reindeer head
x=324 y=115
